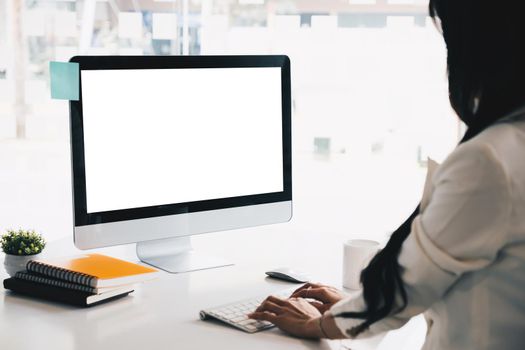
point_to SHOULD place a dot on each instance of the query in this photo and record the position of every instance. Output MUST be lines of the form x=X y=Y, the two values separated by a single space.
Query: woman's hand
x=295 y=316
x=324 y=296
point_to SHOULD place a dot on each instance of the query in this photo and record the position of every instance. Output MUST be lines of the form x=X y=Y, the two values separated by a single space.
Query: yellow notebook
x=94 y=270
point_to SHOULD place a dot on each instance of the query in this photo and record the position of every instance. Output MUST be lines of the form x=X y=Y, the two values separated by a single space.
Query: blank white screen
x=162 y=136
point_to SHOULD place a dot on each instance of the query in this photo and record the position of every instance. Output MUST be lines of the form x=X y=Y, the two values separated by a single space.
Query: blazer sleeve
x=461 y=229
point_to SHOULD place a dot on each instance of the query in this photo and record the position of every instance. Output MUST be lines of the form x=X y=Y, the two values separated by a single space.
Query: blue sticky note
x=65 y=79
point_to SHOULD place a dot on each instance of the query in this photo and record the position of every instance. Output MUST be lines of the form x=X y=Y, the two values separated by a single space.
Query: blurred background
x=370 y=100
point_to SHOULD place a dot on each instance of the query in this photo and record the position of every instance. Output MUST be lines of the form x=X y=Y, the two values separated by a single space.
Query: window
x=369 y=96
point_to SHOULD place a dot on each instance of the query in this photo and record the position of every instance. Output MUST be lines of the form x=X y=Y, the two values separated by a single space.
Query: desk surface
x=164 y=313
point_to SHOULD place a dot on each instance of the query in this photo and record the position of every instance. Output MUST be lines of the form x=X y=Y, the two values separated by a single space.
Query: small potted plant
x=20 y=247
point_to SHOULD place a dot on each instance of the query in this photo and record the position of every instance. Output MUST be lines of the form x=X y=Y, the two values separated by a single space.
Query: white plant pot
x=15 y=263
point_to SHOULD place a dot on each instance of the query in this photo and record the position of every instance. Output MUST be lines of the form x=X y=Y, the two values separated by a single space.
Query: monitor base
x=175 y=255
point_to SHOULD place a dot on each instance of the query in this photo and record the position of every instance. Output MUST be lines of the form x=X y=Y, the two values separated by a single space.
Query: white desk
x=163 y=314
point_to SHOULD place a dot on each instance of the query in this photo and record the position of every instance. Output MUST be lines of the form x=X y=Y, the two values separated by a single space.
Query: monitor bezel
x=83 y=218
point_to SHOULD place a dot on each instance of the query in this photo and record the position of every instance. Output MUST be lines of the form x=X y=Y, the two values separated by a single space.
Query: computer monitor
x=165 y=147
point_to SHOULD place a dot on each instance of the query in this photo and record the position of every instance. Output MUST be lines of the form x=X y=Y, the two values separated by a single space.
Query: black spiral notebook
x=35 y=277
x=63 y=295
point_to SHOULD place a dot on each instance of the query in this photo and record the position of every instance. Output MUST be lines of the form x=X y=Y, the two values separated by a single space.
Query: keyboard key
x=238 y=319
x=247 y=322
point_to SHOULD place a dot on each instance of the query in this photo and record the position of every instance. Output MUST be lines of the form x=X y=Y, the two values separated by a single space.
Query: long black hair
x=485 y=42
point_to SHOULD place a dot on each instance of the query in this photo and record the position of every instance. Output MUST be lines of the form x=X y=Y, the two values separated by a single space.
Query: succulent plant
x=22 y=242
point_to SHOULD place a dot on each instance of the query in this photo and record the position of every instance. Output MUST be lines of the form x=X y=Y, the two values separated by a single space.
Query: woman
x=460 y=257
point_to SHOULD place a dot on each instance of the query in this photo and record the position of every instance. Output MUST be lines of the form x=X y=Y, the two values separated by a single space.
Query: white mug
x=357 y=253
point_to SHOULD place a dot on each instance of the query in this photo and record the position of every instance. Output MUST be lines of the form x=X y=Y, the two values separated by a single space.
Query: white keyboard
x=235 y=314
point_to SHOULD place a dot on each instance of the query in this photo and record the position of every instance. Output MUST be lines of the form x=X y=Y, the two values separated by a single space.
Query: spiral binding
x=53 y=282
x=60 y=273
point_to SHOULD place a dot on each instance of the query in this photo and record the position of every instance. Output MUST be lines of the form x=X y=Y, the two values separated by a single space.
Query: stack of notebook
x=83 y=280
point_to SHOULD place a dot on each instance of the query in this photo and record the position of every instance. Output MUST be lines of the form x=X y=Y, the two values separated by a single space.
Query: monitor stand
x=175 y=255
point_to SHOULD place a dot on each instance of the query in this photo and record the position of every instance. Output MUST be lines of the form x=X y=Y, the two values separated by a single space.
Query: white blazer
x=463 y=264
